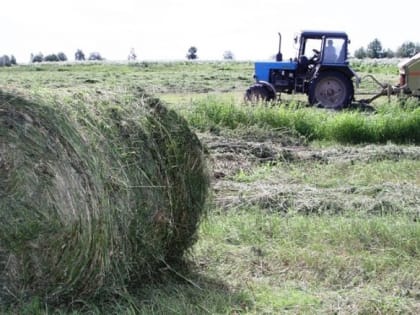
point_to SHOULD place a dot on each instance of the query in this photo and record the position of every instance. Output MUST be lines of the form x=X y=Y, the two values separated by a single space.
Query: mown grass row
x=319 y=237
x=390 y=123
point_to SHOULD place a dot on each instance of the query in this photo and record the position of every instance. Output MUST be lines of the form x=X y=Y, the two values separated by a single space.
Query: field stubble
x=294 y=227
x=381 y=179
x=306 y=229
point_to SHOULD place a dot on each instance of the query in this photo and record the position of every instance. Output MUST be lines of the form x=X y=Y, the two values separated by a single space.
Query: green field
x=311 y=211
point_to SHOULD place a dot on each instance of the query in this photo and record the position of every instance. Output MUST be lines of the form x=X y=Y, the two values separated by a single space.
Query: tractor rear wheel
x=259 y=93
x=331 y=90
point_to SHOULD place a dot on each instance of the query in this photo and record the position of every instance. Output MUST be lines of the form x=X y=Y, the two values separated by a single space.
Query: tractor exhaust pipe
x=279 y=56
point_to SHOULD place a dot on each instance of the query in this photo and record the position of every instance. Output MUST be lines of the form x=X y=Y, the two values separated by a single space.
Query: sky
x=166 y=29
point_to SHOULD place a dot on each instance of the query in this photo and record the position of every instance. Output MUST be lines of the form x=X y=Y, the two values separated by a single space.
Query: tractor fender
x=346 y=71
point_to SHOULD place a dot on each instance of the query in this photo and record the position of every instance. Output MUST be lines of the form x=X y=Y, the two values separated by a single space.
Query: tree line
x=375 y=50
x=80 y=56
x=6 y=61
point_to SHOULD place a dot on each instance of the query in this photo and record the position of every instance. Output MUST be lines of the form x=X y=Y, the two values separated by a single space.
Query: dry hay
x=96 y=191
x=286 y=197
x=279 y=191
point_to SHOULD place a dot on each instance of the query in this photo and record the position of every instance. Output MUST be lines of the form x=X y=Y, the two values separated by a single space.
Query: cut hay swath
x=96 y=191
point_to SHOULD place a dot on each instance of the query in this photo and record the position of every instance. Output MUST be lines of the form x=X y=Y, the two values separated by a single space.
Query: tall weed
x=390 y=123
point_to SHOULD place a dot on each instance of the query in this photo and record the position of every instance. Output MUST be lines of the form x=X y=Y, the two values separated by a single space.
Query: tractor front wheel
x=331 y=90
x=259 y=93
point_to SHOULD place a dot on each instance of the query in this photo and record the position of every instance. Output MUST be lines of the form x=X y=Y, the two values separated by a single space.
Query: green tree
x=51 y=57
x=62 y=56
x=132 y=56
x=192 y=53
x=389 y=53
x=79 y=55
x=95 y=56
x=374 y=49
x=408 y=49
x=37 y=58
x=360 y=53
x=228 y=55
x=5 y=61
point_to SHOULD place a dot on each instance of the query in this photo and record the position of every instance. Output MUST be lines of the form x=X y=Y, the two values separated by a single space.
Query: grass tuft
x=395 y=124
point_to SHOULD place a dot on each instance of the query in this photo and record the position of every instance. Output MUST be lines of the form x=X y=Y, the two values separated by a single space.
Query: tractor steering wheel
x=315 y=57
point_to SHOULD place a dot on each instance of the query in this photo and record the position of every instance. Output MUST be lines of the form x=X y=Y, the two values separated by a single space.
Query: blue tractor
x=321 y=71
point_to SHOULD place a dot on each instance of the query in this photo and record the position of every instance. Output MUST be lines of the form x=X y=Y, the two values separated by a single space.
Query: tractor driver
x=330 y=54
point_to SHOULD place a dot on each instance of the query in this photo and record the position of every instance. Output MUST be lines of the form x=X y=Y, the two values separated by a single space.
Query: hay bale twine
x=96 y=190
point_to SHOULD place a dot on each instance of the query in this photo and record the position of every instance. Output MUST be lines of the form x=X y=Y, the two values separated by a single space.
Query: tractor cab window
x=334 y=50
x=311 y=48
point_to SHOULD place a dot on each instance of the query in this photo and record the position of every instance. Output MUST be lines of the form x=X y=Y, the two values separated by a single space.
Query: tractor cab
x=324 y=48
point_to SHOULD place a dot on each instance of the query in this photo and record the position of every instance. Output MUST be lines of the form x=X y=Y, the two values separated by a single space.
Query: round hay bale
x=96 y=191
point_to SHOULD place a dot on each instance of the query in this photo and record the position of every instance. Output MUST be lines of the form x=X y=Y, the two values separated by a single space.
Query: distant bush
x=51 y=58
x=5 y=61
x=228 y=55
x=360 y=53
x=408 y=49
x=62 y=56
x=48 y=58
x=79 y=55
x=95 y=56
x=37 y=58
